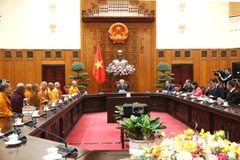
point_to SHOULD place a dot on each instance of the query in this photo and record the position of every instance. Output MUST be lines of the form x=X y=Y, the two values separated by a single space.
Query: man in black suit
x=168 y=86
x=122 y=87
x=217 y=91
x=187 y=86
x=233 y=95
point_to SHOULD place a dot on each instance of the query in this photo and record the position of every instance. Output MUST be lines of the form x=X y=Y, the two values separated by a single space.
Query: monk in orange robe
x=5 y=104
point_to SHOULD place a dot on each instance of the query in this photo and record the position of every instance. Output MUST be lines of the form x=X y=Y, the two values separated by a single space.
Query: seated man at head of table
x=233 y=95
x=187 y=87
x=17 y=98
x=168 y=86
x=217 y=91
x=122 y=87
x=28 y=90
x=74 y=88
x=5 y=104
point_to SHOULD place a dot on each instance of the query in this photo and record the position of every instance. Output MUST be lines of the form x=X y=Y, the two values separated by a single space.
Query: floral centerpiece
x=120 y=70
x=192 y=145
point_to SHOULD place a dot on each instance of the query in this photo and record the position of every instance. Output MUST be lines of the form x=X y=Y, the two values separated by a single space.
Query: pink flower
x=222 y=156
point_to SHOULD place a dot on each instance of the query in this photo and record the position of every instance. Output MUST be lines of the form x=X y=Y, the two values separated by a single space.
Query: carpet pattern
x=92 y=131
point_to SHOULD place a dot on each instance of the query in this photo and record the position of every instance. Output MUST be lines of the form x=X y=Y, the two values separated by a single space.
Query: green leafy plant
x=142 y=128
x=162 y=78
x=81 y=77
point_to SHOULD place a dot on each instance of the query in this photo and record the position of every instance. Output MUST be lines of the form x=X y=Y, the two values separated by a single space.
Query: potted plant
x=81 y=77
x=162 y=78
x=142 y=131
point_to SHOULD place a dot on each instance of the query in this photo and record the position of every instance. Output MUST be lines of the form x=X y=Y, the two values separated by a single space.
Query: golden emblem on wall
x=118 y=32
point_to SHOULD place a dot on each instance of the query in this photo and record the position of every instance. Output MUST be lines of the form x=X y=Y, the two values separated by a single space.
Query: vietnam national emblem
x=118 y=32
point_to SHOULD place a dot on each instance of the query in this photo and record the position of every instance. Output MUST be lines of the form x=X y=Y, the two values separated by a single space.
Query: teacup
x=13 y=137
x=225 y=103
x=157 y=91
x=53 y=104
x=18 y=121
x=60 y=101
x=35 y=113
x=53 y=151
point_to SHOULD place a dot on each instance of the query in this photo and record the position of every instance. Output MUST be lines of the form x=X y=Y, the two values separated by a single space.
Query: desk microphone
x=63 y=149
x=18 y=131
x=32 y=121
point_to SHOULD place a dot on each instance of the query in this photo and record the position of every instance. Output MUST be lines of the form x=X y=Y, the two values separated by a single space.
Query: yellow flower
x=190 y=146
x=156 y=150
x=188 y=132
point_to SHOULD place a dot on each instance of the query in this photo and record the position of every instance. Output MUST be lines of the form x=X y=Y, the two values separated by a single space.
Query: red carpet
x=92 y=132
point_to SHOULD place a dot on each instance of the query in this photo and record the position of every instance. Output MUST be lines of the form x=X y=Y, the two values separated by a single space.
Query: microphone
x=32 y=121
x=63 y=149
x=18 y=131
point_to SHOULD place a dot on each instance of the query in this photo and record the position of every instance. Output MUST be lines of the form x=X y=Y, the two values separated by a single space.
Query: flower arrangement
x=192 y=145
x=120 y=70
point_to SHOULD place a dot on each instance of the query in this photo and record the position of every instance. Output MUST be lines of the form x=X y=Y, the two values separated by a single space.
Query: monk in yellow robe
x=34 y=99
x=28 y=90
x=51 y=94
x=43 y=91
x=73 y=88
x=5 y=104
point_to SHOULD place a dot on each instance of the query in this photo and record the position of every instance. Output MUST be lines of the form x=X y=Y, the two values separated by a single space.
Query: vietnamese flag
x=98 y=68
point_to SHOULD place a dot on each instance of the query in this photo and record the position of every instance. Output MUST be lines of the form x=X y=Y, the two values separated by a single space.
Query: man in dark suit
x=122 y=87
x=187 y=86
x=233 y=95
x=168 y=86
x=217 y=91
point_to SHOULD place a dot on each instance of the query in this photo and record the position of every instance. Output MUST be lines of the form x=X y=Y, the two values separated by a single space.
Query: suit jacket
x=120 y=87
x=188 y=89
x=231 y=95
x=236 y=98
x=170 y=88
x=209 y=91
x=218 y=92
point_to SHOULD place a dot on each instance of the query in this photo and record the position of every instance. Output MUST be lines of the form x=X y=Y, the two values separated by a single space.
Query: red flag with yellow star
x=98 y=68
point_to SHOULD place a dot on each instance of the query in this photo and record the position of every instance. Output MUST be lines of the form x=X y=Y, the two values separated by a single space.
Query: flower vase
x=135 y=145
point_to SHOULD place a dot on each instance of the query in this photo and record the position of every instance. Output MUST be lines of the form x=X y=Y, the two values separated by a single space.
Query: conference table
x=208 y=116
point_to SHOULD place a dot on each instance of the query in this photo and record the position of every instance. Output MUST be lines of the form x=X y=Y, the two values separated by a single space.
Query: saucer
x=50 y=157
x=225 y=105
x=1 y=134
x=18 y=124
x=35 y=116
x=13 y=142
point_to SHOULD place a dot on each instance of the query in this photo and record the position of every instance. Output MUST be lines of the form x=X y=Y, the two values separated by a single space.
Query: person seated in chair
x=217 y=90
x=122 y=87
x=168 y=86
x=233 y=95
x=197 y=91
x=187 y=87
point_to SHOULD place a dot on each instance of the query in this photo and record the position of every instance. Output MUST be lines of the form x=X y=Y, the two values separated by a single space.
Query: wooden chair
x=177 y=87
x=66 y=89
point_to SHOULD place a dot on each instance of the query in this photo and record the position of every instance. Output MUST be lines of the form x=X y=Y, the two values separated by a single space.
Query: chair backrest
x=66 y=89
x=125 y=83
x=177 y=87
x=203 y=88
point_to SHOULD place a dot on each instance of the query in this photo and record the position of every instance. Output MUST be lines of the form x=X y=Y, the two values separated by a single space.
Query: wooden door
x=54 y=73
x=182 y=72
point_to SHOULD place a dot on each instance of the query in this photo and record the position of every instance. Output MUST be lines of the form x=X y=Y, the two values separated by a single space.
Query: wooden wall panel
x=234 y=9
x=203 y=63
